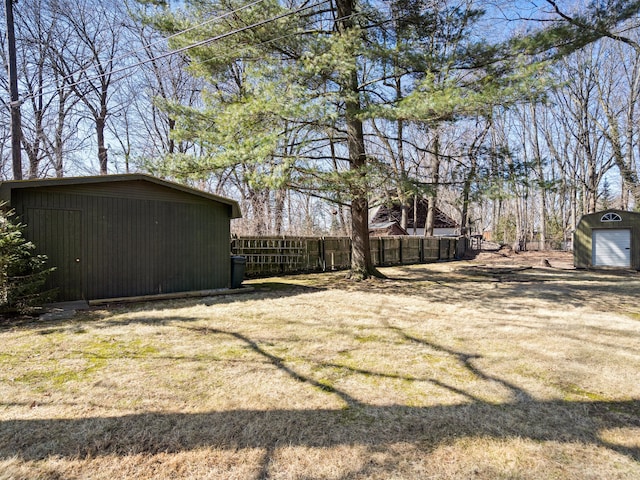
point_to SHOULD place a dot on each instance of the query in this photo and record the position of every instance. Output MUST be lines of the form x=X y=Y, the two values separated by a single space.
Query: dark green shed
x=125 y=235
x=607 y=239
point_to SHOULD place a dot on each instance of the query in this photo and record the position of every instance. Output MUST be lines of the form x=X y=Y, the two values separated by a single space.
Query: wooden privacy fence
x=276 y=255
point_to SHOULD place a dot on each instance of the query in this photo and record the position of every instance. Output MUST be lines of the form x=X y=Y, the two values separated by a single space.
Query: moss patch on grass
x=572 y=391
x=633 y=315
x=74 y=363
x=110 y=348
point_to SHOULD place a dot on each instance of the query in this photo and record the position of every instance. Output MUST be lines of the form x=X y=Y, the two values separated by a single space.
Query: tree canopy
x=299 y=90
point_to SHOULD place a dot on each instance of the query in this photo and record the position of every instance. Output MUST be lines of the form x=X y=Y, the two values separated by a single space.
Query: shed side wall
x=135 y=244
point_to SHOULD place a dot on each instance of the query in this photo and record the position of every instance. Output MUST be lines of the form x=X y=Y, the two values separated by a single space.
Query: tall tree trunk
x=466 y=193
x=278 y=210
x=495 y=216
x=361 y=264
x=518 y=245
x=433 y=196
x=415 y=214
x=404 y=201
x=342 y=222
x=541 y=180
x=34 y=152
x=472 y=154
x=58 y=143
x=258 y=207
x=102 y=149
x=171 y=148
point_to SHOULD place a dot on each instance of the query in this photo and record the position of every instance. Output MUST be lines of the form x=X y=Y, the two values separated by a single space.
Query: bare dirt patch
x=553 y=259
x=474 y=369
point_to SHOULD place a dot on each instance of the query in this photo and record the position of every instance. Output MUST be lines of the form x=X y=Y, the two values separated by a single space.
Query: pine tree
x=295 y=85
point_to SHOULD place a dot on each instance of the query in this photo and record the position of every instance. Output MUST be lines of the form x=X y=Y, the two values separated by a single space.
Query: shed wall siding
x=135 y=241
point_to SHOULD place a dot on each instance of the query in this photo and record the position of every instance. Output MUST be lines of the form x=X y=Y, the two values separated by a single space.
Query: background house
x=443 y=226
x=125 y=235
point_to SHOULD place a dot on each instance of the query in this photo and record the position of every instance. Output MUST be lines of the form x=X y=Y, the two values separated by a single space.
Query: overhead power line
x=186 y=30
x=271 y=40
x=131 y=53
x=201 y=43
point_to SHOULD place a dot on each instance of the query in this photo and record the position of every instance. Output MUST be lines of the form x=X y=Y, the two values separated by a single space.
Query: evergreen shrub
x=22 y=272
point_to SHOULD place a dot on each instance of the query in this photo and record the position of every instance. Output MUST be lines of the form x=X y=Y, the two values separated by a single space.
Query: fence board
x=431 y=249
x=337 y=253
x=377 y=253
x=392 y=250
x=411 y=249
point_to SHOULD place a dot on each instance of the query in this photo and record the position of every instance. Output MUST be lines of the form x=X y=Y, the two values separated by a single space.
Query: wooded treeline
x=515 y=120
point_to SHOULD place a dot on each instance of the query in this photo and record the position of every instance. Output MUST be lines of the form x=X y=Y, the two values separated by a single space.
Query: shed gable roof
x=7 y=187
x=622 y=214
x=388 y=228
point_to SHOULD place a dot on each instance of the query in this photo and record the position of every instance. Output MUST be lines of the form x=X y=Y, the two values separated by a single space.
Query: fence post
x=462 y=245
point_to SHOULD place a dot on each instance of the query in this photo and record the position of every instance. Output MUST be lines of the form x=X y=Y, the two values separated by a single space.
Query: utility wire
x=265 y=42
x=146 y=46
x=186 y=30
x=180 y=50
x=271 y=40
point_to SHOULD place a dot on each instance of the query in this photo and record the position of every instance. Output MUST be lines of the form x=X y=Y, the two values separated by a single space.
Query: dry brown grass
x=460 y=370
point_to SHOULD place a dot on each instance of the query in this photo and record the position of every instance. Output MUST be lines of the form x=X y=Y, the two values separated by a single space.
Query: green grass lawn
x=454 y=370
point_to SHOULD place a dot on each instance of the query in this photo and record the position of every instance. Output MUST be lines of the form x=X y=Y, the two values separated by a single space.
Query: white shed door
x=611 y=248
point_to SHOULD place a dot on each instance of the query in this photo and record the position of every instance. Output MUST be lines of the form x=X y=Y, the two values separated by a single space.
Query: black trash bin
x=237 y=270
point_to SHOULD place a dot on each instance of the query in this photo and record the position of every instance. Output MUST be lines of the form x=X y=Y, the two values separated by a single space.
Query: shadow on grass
x=35 y=439
x=151 y=433
x=357 y=423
